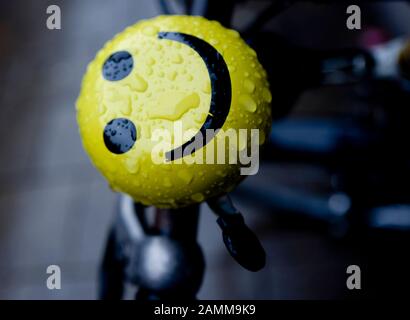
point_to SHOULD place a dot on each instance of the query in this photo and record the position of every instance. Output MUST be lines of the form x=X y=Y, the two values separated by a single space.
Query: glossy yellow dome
x=170 y=73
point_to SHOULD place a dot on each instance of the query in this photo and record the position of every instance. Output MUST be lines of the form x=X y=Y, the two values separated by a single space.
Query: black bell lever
x=241 y=242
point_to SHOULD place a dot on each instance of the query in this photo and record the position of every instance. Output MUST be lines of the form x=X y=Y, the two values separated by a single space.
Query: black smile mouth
x=221 y=92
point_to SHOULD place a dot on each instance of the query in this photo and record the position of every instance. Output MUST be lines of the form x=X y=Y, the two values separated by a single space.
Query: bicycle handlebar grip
x=159 y=100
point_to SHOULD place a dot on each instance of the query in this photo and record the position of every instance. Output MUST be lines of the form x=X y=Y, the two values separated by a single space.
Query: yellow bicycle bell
x=163 y=73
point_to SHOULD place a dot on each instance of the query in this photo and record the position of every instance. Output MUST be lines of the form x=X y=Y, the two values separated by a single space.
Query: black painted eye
x=118 y=66
x=120 y=135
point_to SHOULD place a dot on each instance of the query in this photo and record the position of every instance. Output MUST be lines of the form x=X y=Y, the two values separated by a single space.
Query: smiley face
x=156 y=73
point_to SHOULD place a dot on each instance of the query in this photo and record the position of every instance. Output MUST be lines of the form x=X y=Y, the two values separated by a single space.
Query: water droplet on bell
x=102 y=109
x=126 y=108
x=150 y=61
x=243 y=142
x=114 y=188
x=262 y=137
x=249 y=86
x=199 y=197
x=132 y=165
x=252 y=52
x=200 y=118
x=177 y=59
x=167 y=182
x=221 y=173
x=207 y=87
x=140 y=84
x=267 y=96
x=234 y=33
x=172 y=75
x=170 y=111
x=149 y=70
x=150 y=31
x=185 y=176
x=247 y=102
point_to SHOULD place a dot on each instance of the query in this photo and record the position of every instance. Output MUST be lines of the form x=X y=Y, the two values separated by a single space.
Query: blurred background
x=56 y=209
